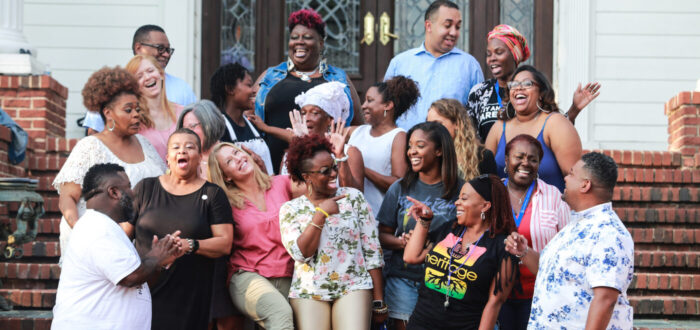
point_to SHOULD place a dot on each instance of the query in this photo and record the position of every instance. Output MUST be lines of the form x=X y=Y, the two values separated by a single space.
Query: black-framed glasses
x=326 y=171
x=526 y=84
x=160 y=48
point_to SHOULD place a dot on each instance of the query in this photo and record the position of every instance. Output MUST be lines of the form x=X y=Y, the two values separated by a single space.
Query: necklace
x=520 y=200
x=305 y=76
x=449 y=262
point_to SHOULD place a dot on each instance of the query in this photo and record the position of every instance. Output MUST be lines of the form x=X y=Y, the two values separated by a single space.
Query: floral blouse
x=348 y=248
x=594 y=250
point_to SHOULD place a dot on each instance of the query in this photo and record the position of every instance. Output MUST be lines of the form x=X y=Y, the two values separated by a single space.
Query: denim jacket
x=275 y=74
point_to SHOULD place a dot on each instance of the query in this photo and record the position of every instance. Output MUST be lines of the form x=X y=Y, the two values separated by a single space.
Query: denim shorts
x=401 y=296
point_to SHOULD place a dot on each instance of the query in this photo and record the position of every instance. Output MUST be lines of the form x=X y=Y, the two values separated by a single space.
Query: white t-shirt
x=100 y=255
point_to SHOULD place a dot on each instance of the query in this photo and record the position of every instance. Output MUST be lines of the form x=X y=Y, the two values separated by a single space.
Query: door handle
x=368 y=37
x=384 y=26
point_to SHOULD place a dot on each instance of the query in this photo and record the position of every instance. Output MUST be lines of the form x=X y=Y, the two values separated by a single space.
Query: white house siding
x=643 y=52
x=77 y=37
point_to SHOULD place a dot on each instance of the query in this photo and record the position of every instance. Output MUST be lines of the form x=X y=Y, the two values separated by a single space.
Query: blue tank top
x=549 y=170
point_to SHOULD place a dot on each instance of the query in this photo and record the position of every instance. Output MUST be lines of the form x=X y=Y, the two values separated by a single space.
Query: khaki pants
x=350 y=312
x=263 y=300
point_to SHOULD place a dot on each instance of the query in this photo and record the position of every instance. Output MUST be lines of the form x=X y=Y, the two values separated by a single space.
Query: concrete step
x=654 y=324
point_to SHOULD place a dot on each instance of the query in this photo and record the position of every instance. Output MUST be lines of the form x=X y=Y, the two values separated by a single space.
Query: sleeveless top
x=549 y=170
x=376 y=153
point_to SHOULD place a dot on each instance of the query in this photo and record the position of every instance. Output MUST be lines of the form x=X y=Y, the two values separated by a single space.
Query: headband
x=513 y=39
x=482 y=185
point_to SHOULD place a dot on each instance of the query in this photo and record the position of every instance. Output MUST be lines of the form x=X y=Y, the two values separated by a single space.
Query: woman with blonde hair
x=158 y=115
x=472 y=158
x=259 y=269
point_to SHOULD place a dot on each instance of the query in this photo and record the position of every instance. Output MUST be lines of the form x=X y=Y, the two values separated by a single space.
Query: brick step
x=665 y=305
x=34 y=298
x=39 y=248
x=662 y=214
x=665 y=281
x=643 y=158
x=669 y=259
x=25 y=320
x=29 y=271
x=665 y=234
x=657 y=175
x=45 y=225
x=635 y=193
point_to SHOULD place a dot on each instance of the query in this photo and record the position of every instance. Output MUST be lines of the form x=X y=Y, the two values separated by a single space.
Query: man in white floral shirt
x=585 y=270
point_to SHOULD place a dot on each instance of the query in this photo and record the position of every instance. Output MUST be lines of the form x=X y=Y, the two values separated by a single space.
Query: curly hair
x=300 y=152
x=467 y=147
x=226 y=76
x=105 y=85
x=216 y=176
x=546 y=102
x=309 y=18
x=400 y=90
x=133 y=67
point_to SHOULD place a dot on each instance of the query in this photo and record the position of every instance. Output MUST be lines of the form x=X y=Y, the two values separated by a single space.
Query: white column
x=15 y=51
x=573 y=56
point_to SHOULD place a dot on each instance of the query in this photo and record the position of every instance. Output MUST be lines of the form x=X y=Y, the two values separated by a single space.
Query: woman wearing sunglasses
x=431 y=178
x=332 y=237
x=535 y=112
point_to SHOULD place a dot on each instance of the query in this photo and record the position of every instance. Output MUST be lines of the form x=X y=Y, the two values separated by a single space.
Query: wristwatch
x=379 y=307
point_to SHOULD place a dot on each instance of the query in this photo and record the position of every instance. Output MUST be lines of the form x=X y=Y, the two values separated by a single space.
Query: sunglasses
x=326 y=171
x=160 y=48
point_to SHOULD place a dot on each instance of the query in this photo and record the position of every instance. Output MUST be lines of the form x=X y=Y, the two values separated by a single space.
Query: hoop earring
x=540 y=108
x=114 y=124
x=506 y=110
x=483 y=216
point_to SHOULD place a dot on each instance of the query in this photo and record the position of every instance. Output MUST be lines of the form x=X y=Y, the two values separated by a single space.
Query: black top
x=487 y=163
x=470 y=281
x=243 y=134
x=483 y=108
x=278 y=103
x=181 y=295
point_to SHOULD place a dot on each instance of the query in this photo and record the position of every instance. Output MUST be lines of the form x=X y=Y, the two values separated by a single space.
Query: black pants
x=514 y=314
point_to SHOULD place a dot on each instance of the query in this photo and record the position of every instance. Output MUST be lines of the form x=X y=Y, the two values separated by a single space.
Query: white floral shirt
x=594 y=250
x=349 y=247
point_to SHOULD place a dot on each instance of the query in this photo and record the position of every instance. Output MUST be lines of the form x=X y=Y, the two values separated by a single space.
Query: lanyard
x=498 y=95
x=519 y=216
x=449 y=262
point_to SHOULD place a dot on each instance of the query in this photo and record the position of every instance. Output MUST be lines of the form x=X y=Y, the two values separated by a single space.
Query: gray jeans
x=263 y=300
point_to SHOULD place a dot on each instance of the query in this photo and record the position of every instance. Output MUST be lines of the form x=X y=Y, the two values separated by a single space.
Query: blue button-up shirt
x=451 y=75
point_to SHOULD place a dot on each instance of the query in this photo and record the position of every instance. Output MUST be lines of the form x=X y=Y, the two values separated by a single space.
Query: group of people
x=435 y=203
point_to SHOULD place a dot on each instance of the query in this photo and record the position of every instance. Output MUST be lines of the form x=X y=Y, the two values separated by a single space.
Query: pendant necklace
x=449 y=262
x=305 y=76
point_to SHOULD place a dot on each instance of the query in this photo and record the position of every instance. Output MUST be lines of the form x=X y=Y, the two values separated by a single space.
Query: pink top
x=257 y=243
x=159 y=139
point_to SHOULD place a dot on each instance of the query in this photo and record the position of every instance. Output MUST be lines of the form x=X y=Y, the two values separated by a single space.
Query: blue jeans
x=515 y=314
x=401 y=296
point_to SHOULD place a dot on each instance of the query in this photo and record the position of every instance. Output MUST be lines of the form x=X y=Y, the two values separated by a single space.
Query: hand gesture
x=584 y=96
x=256 y=158
x=419 y=210
x=516 y=244
x=257 y=121
x=298 y=123
x=337 y=136
x=330 y=205
x=165 y=250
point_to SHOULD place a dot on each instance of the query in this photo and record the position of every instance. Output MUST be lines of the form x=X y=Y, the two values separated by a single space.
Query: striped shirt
x=550 y=214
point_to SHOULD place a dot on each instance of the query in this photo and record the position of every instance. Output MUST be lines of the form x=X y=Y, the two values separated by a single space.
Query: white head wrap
x=328 y=96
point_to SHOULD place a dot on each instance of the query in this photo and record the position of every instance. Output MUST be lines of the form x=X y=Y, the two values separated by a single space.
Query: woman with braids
x=468 y=273
x=113 y=92
x=233 y=92
x=332 y=237
x=304 y=68
x=472 y=158
x=533 y=105
x=431 y=178
x=384 y=102
x=506 y=49
x=159 y=115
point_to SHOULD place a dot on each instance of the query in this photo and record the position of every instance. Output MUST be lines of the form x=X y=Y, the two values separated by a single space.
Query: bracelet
x=190 y=242
x=315 y=225
x=425 y=222
x=527 y=249
x=322 y=211
x=379 y=307
x=341 y=159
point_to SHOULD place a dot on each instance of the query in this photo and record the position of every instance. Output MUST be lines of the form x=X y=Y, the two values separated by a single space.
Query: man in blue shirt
x=440 y=69
x=151 y=40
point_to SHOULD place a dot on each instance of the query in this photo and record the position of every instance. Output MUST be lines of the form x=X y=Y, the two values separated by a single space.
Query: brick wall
x=37 y=103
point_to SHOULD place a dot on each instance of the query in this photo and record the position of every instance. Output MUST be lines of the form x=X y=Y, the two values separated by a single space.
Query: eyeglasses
x=526 y=84
x=160 y=48
x=326 y=171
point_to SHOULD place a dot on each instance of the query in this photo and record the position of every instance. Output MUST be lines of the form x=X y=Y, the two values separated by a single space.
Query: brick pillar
x=37 y=103
x=683 y=112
